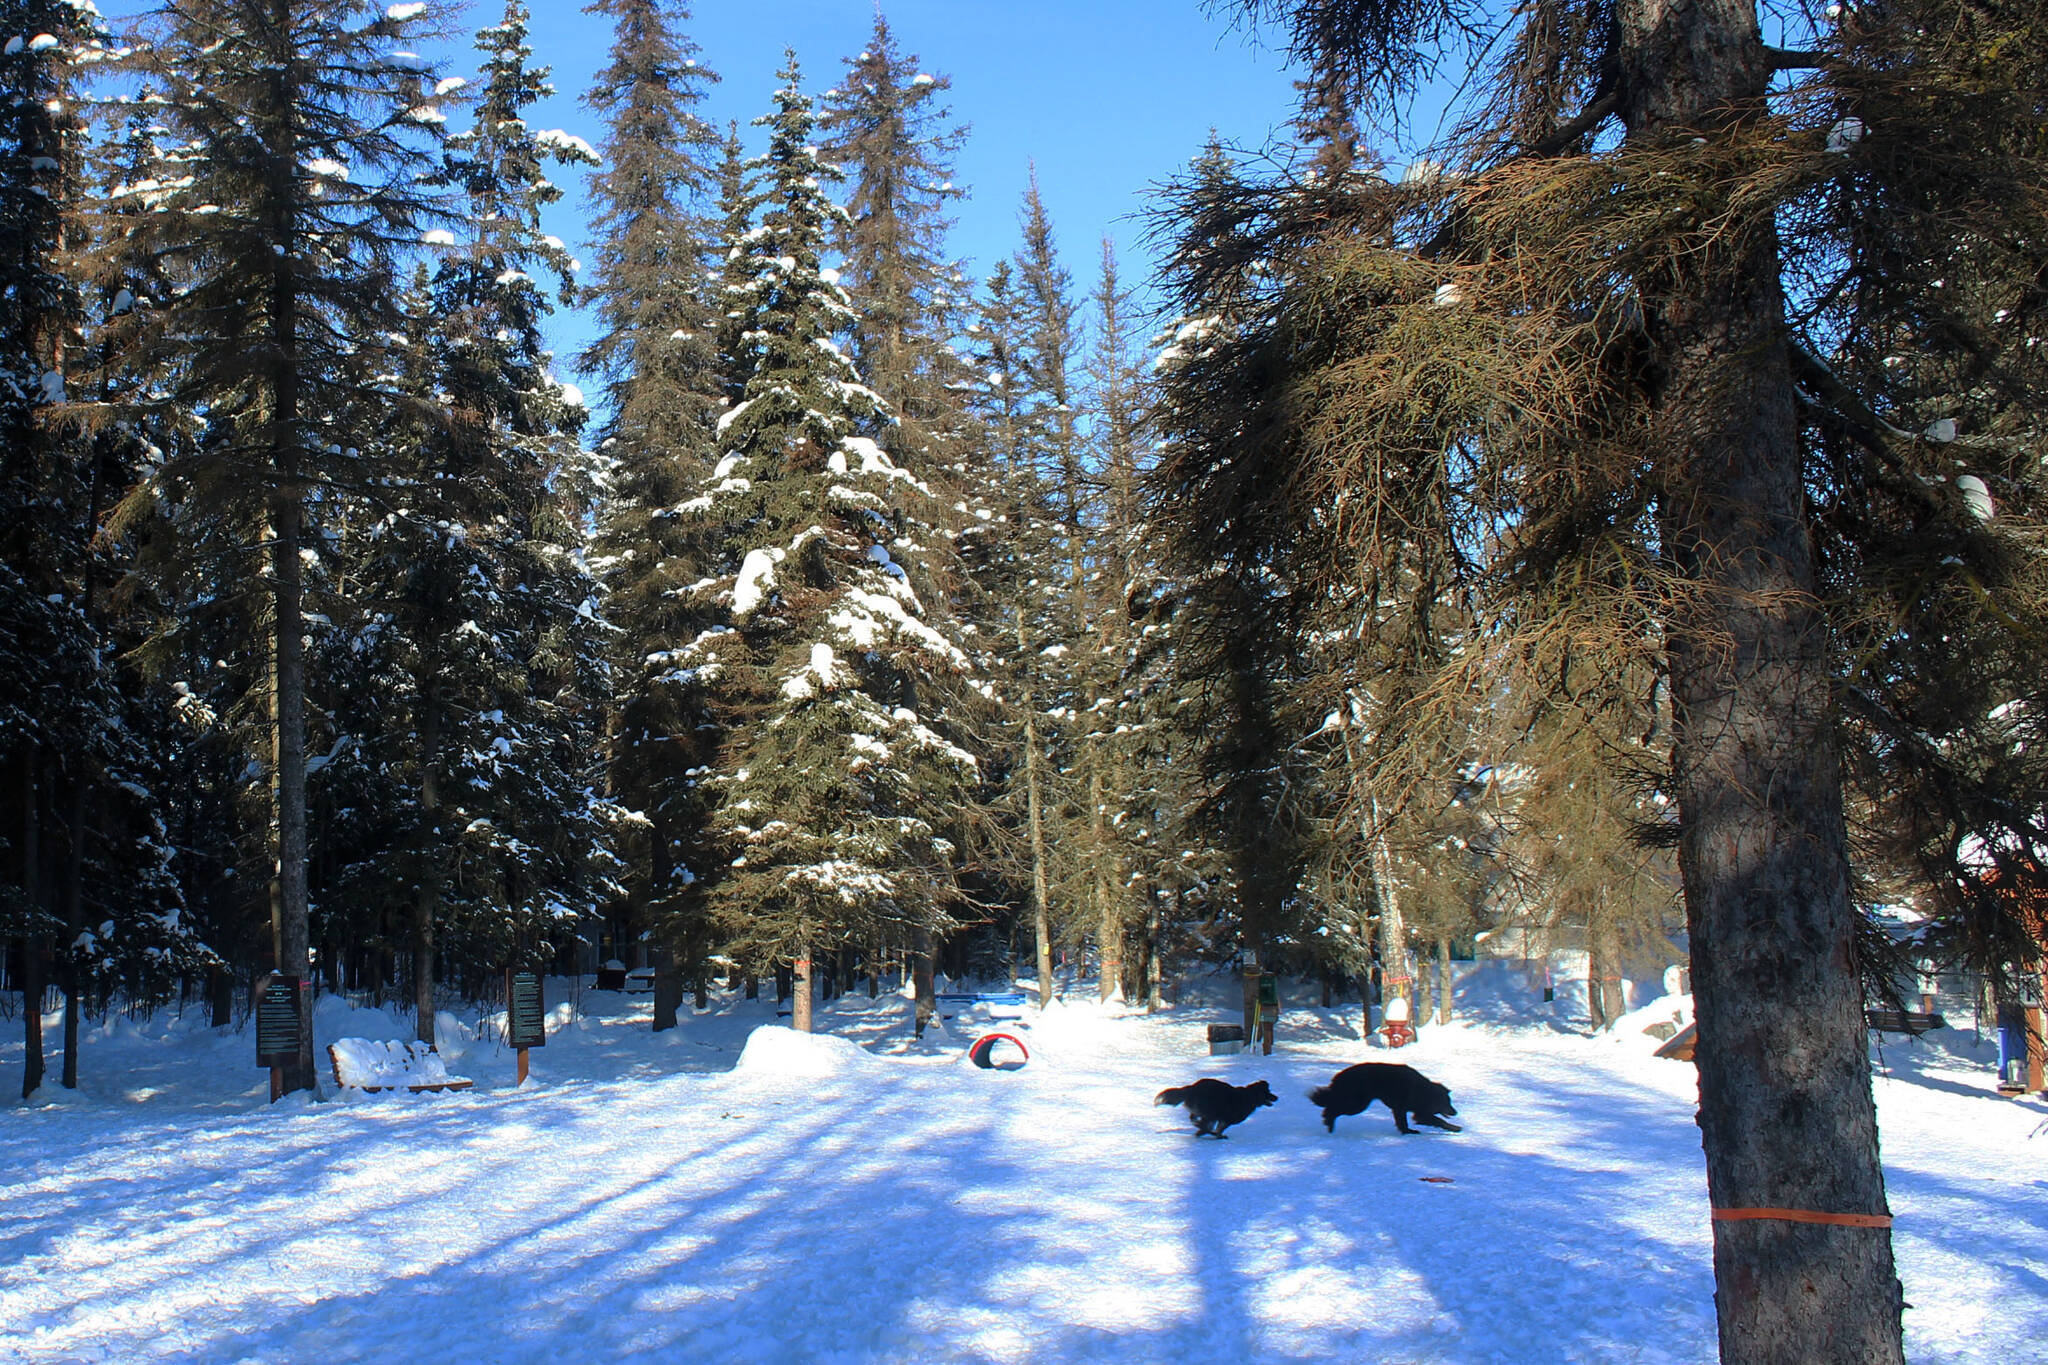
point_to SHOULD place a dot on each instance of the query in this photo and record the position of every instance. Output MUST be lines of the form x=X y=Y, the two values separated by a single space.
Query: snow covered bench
x=988 y=1001
x=373 y=1064
x=1903 y=1021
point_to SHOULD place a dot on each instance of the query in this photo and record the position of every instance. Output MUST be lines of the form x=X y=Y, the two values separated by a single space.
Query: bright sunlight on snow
x=734 y=1190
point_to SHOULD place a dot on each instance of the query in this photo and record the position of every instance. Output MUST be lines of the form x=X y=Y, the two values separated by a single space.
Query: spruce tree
x=298 y=135
x=57 y=698
x=887 y=129
x=91 y=890
x=821 y=649
x=658 y=352
x=1020 y=607
x=1116 y=397
x=476 y=663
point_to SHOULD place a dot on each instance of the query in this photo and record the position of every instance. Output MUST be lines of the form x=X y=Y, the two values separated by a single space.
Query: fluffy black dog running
x=1216 y=1105
x=1403 y=1089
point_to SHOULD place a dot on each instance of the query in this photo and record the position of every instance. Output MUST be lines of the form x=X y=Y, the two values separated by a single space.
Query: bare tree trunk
x=1786 y=1113
x=800 y=992
x=1446 y=980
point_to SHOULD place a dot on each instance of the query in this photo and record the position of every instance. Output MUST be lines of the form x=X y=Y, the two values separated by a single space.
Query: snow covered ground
x=858 y=1198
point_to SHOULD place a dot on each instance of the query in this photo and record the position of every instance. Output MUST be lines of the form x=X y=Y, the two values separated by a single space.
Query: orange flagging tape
x=1840 y=1220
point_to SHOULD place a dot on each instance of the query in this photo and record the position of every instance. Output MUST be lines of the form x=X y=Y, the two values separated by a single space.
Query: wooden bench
x=373 y=1064
x=1903 y=1021
x=994 y=1004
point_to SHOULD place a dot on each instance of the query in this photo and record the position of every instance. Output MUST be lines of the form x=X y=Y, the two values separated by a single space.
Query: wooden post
x=522 y=1067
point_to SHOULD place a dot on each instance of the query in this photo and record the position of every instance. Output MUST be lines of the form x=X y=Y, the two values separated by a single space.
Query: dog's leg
x=1401 y=1122
x=1329 y=1121
x=1435 y=1122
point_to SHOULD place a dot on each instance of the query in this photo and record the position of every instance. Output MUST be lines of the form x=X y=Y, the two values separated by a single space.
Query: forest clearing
x=522 y=501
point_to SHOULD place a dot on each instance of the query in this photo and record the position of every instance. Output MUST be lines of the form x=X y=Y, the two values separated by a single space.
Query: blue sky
x=1108 y=97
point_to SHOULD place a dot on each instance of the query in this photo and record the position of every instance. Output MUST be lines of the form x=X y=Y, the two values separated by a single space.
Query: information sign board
x=525 y=1013
x=278 y=1015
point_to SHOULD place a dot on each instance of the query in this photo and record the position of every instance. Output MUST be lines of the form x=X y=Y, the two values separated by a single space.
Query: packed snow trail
x=824 y=1201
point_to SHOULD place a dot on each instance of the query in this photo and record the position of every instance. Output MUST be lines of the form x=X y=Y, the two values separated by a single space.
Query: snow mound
x=773 y=1050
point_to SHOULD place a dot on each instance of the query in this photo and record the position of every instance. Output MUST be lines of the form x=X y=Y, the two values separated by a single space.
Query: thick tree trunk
x=291 y=939
x=1034 y=814
x=923 y=960
x=1598 y=968
x=426 y=903
x=668 y=986
x=32 y=946
x=1397 y=980
x=220 y=994
x=1604 y=993
x=800 y=992
x=1446 y=981
x=74 y=1008
x=1786 y=1113
x=33 y=987
x=73 y=976
x=1155 y=970
x=668 y=990
x=1248 y=984
x=1110 y=933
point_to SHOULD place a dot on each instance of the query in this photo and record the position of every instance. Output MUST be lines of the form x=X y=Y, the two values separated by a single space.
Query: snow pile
x=773 y=1050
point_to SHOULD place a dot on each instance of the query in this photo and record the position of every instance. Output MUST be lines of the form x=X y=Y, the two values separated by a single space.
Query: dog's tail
x=1173 y=1096
x=1319 y=1095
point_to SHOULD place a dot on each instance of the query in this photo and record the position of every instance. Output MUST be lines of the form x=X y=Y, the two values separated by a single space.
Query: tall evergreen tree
x=58 y=698
x=1625 y=372
x=821 y=648
x=658 y=351
x=1116 y=402
x=1021 y=607
x=299 y=132
x=477 y=666
x=886 y=127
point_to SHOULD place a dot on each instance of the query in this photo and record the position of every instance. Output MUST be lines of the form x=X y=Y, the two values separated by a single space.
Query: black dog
x=1402 y=1089
x=1216 y=1105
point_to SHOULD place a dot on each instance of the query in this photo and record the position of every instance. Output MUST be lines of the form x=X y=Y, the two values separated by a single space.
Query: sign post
x=525 y=1015
x=281 y=1012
